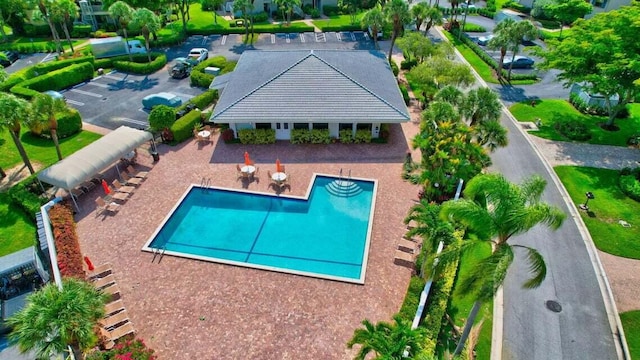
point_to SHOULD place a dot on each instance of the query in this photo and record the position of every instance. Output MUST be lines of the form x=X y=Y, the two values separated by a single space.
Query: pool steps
x=343 y=187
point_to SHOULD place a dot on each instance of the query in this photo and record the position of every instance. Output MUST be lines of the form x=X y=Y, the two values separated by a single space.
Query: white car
x=484 y=40
x=467 y=5
x=199 y=54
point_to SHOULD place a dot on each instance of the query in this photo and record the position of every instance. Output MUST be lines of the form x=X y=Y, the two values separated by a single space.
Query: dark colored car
x=520 y=62
x=182 y=68
x=8 y=57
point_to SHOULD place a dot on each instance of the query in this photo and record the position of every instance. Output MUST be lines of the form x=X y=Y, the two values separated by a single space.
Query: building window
x=364 y=127
x=320 y=126
x=263 y=125
x=298 y=126
x=345 y=126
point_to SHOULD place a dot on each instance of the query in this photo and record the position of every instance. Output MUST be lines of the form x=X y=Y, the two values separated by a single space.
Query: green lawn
x=631 y=324
x=40 y=150
x=555 y=34
x=551 y=111
x=461 y=305
x=338 y=20
x=608 y=207
x=203 y=20
x=16 y=231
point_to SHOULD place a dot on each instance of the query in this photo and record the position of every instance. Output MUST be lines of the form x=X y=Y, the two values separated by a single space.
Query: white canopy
x=95 y=157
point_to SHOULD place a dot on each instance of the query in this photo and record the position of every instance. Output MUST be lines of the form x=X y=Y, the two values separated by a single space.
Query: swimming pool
x=324 y=234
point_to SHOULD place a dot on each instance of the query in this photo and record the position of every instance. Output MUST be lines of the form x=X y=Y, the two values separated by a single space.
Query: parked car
x=519 y=62
x=163 y=98
x=182 y=67
x=8 y=57
x=55 y=95
x=467 y=5
x=484 y=40
x=200 y=54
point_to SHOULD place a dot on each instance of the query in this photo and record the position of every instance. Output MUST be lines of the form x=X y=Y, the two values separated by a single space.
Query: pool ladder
x=205 y=183
x=159 y=252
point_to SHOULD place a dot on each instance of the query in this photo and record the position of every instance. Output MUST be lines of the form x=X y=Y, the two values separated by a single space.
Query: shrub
x=300 y=136
x=161 y=117
x=394 y=68
x=203 y=100
x=629 y=182
x=103 y=63
x=257 y=136
x=405 y=94
x=140 y=64
x=470 y=27
x=174 y=38
x=199 y=78
x=227 y=135
x=585 y=108
x=39 y=30
x=81 y=31
x=320 y=136
x=43 y=68
x=125 y=348
x=315 y=14
x=408 y=64
x=260 y=17
x=573 y=129
x=362 y=136
x=346 y=136
x=182 y=128
x=486 y=12
x=411 y=298
x=66 y=241
x=55 y=80
x=69 y=123
x=25 y=195
x=331 y=10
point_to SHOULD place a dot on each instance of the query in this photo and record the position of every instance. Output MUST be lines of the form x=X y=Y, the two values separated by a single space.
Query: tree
x=439 y=71
x=244 y=7
x=212 y=5
x=63 y=12
x=148 y=23
x=122 y=13
x=9 y=10
x=495 y=210
x=419 y=13
x=602 y=55
x=521 y=30
x=44 y=13
x=568 y=11
x=501 y=41
x=397 y=13
x=53 y=319
x=481 y=105
x=14 y=110
x=387 y=341
x=45 y=108
x=414 y=45
x=183 y=8
x=287 y=7
x=352 y=6
x=432 y=17
x=375 y=20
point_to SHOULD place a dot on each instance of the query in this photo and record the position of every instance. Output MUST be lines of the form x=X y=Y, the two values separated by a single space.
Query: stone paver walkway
x=578 y=154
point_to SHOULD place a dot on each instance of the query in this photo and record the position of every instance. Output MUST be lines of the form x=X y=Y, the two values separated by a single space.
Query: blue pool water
x=326 y=235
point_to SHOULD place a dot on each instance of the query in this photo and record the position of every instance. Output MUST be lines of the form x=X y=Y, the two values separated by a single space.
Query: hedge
x=203 y=100
x=405 y=94
x=44 y=68
x=55 y=80
x=140 y=64
x=69 y=123
x=629 y=182
x=314 y=136
x=257 y=136
x=182 y=129
x=338 y=28
x=69 y=259
x=199 y=78
x=260 y=30
x=25 y=196
x=81 y=31
x=412 y=298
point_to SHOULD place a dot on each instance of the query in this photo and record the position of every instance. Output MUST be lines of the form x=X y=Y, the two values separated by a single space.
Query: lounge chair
x=100 y=271
x=112 y=322
x=102 y=206
x=113 y=307
x=117 y=333
x=404 y=259
x=114 y=195
x=408 y=246
x=100 y=283
x=121 y=188
x=113 y=290
x=134 y=173
x=128 y=180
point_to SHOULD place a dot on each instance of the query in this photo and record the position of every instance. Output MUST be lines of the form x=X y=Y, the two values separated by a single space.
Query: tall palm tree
x=387 y=341
x=45 y=108
x=433 y=16
x=419 y=13
x=495 y=209
x=64 y=12
x=490 y=134
x=122 y=13
x=521 y=30
x=44 y=12
x=481 y=105
x=13 y=111
x=375 y=20
x=397 y=13
x=55 y=319
x=148 y=22
x=502 y=40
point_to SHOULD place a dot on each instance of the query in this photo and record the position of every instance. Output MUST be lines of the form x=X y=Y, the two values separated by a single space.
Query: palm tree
x=451 y=95
x=375 y=20
x=63 y=12
x=387 y=341
x=419 y=12
x=148 y=22
x=122 y=13
x=502 y=40
x=495 y=209
x=433 y=17
x=45 y=108
x=481 y=105
x=244 y=7
x=15 y=110
x=55 y=319
x=397 y=13
x=522 y=30
x=490 y=134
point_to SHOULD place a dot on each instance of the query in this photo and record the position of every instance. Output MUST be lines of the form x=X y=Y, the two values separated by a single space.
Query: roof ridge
x=265 y=83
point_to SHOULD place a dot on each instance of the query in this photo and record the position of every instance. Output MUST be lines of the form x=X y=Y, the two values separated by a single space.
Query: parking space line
x=366 y=36
x=224 y=40
x=204 y=40
x=109 y=76
x=273 y=38
x=353 y=36
x=339 y=36
x=133 y=121
x=183 y=95
x=93 y=82
x=302 y=37
x=86 y=93
x=288 y=38
x=320 y=37
x=76 y=103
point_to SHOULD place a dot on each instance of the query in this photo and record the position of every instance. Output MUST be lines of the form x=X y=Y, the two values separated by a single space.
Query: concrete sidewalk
x=579 y=154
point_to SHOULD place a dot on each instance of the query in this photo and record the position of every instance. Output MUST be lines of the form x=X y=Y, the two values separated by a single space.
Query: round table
x=250 y=169
x=204 y=133
x=279 y=176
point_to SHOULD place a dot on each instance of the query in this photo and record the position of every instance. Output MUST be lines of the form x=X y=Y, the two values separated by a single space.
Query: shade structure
x=247 y=159
x=93 y=158
x=278 y=168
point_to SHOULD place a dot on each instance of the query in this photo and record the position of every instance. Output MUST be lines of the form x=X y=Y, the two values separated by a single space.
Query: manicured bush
x=300 y=136
x=412 y=298
x=408 y=64
x=471 y=27
x=30 y=48
x=140 y=64
x=55 y=80
x=346 y=136
x=338 y=28
x=175 y=38
x=199 y=78
x=69 y=259
x=331 y=10
x=320 y=136
x=585 y=108
x=260 y=17
x=43 y=68
x=69 y=123
x=25 y=195
x=182 y=128
x=39 y=30
x=394 y=68
x=405 y=94
x=487 y=13
x=362 y=136
x=314 y=13
x=161 y=117
x=630 y=182
x=81 y=31
x=573 y=129
x=257 y=136
x=203 y=100
x=103 y=63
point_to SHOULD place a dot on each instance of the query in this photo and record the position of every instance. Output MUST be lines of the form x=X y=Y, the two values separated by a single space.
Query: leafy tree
x=352 y=6
x=161 y=117
x=287 y=7
x=213 y=5
x=374 y=18
x=10 y=10
x=148 y=23
x=387 y=341
x=494 y=210
x=64 y=12
x=122 y=14
x=602 y=54
x=414 y=45
x=568 y=11
x=45 y=108
x=439 y=71
x=432 y=17
x=54 y=319
x=15 y=110
x=397 y=13
x=419 y=13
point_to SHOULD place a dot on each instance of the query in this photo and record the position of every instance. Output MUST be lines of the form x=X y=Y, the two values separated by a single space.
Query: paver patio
x=189 y=309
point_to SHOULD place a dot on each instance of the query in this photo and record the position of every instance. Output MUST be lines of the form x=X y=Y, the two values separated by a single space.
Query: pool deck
x=190 y=309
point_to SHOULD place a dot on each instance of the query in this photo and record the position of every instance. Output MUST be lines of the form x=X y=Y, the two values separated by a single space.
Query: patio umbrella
x=247 y=160
x=278 y=165
x=105 y=186
x=89 y=263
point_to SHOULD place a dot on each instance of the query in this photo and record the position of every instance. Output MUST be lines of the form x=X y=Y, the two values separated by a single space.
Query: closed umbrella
x=105 y=186
x=278 y=169
x=89 y=263
x=247 y=160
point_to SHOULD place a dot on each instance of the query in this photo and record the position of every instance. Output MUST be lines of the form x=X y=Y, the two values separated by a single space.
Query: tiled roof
x=311 y=85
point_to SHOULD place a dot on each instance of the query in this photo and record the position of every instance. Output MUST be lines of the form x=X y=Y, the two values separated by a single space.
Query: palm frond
x=537 y=267
x=532 y=188
x=469 y=214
